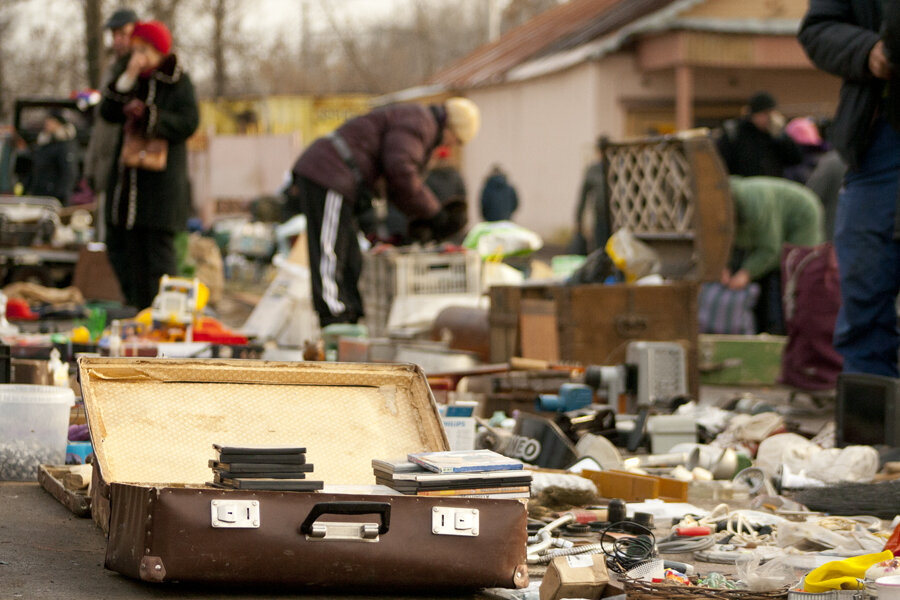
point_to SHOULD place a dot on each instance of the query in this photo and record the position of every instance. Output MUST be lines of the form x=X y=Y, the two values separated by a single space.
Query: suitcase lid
x=154 y=421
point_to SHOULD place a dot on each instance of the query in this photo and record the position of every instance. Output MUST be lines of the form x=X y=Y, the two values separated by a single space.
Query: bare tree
x=93 y=35
x=220 y=77
x=162 y=10
x=347 y=38
x=519 y=12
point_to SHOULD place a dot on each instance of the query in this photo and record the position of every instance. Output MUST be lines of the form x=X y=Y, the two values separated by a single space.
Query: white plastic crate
x=425 y=274
x=414 y=276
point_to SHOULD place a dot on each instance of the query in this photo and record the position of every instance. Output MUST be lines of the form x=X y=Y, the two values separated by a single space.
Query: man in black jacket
x=757 y=144
x=844 y=38
x=54 y=168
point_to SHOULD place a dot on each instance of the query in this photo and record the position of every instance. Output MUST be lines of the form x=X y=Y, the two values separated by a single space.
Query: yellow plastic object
x=842 y=574
x=202 y=295
x=631 y=256
x=145 y=318
x=80 y=335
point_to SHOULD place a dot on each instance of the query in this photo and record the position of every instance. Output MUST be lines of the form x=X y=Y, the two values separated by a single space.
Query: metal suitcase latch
x=238 y=514
x=324 y=531
x=446 y=520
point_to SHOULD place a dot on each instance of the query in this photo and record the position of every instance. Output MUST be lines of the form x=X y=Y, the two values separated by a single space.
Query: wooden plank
x=504 y=323
x=741 y=9
x=538 y=327
x=50 y=478
x=714 y=214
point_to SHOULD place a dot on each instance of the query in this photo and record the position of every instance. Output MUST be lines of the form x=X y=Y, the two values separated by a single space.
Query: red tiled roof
x=565 y=26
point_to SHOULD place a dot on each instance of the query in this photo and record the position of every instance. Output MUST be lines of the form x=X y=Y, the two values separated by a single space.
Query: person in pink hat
x=806 y=135
x=149 y=192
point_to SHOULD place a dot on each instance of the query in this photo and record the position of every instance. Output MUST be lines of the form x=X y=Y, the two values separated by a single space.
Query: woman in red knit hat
x=149 y=190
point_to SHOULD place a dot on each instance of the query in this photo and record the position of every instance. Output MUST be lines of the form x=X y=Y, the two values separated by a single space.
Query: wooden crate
x=740 y=359
x=593 y=324
x=673 y=193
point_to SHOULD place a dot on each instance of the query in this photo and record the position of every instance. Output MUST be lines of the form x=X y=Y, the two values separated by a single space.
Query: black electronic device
x=868 y=410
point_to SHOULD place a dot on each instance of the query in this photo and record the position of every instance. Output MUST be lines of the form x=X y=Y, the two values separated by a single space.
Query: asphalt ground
x=46 y=553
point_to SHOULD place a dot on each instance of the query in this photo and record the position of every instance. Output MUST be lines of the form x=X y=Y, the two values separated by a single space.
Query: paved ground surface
x=46 y=553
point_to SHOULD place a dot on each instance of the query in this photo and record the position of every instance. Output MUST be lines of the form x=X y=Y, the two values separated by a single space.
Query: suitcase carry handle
x=349 y=508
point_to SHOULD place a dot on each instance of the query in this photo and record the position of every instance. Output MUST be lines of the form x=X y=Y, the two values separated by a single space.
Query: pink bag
x=83 y=194
x=811 y=296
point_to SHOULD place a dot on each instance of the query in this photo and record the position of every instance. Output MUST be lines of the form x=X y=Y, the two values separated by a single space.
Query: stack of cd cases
x=262 y=468
x=464 y=474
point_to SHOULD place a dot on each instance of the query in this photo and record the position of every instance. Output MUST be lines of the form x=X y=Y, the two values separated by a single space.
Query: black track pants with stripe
x=335 y=259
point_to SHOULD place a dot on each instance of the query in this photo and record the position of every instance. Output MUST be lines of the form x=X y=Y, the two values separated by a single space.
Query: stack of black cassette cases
x=262 y=468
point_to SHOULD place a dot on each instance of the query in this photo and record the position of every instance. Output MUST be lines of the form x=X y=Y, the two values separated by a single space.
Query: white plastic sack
x=853 y=463
x=755 y=428
x=502 y=239
x=774 y=575
x=785 y=448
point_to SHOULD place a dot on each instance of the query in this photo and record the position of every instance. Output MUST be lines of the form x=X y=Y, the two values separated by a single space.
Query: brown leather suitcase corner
x=153 y=423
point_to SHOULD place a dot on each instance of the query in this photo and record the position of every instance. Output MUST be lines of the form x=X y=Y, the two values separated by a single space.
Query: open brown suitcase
x=153 y=423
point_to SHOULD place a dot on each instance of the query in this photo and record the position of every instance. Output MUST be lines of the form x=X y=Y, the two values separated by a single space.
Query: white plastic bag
x=785 y=448
x=853 y=463
x=632 y=256
x=775 y=574
x=499 y=239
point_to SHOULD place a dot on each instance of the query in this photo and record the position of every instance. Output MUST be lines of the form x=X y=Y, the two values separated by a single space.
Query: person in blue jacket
x=498 y=198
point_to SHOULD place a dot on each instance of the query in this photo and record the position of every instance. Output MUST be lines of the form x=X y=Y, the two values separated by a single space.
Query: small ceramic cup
x=888 y=587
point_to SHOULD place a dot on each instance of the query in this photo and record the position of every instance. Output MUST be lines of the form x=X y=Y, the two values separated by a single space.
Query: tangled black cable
x=628 y=552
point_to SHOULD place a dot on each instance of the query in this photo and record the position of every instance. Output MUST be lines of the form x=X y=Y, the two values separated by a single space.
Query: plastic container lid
x=36 y=394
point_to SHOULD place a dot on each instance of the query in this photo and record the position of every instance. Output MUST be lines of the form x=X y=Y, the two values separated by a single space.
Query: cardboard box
x=633 y=487
x=575 y=577
x=667 y=431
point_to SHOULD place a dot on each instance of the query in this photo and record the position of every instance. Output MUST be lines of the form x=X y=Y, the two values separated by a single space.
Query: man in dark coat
x=53 y=164
x=154 y=98
x=844 y=39
x=335 y=178
x=499 y=199
x=101 y=152
x=592 y=213
x=756 y=143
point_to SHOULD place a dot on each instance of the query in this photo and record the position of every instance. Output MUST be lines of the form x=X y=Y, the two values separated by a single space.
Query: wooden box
x=593 y=324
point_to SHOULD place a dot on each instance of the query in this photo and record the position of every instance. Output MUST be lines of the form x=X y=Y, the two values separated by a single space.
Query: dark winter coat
x=838 y=36
x=498 y=199
x=154 y=199
x=749 y=151
x=446 y=183
x=101 y=153
x=53 y=165
x=390 y=144
x=592 y=210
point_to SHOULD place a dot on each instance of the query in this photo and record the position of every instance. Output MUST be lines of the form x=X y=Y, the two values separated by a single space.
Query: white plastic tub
x=34 y=425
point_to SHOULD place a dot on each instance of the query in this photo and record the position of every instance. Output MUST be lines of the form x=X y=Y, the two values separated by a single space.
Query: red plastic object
x=211 y=330
x=692 y=531
x=893 y=543
x=18 y=310
x=231 y=339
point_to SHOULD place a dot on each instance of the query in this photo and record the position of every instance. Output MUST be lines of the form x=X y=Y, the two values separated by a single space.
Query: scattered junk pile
x=540 y=426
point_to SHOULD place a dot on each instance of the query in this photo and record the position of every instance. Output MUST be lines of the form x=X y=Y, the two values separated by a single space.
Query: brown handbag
x=145 y=153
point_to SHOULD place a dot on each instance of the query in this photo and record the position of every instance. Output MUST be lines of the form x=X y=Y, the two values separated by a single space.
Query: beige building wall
x=542 y=131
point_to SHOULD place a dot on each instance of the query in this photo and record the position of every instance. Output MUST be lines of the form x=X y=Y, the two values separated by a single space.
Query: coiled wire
x=627 y=552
